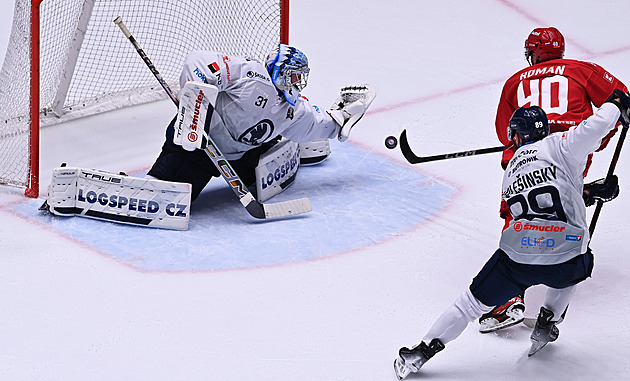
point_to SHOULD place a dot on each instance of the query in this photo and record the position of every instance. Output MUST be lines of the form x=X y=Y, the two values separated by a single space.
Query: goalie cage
x=67 y=59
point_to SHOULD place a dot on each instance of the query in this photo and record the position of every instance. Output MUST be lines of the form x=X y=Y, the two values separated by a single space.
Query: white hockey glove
x=352 y=103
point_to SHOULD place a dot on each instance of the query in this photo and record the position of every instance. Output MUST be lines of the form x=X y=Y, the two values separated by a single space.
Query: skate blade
x=401 y=369
x=536 y=346
x=507 y=323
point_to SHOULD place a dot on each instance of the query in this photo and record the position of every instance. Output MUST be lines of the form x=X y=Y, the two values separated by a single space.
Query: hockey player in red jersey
x=567 y=90
x=543 y=187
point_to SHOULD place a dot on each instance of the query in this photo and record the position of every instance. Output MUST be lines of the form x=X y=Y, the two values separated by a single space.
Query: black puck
x=391 y=142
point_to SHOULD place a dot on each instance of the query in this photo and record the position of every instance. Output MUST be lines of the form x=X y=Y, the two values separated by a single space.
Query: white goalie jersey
x=248 y=109
x=543 y=185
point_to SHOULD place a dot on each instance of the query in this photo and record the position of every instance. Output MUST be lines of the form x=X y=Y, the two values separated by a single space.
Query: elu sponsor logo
x=538 y=242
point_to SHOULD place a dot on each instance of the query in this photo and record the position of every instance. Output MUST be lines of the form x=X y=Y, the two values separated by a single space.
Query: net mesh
x=89 y=66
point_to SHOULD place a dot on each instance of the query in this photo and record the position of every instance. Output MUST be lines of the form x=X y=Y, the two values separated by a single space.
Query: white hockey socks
x=557 y=300
x=456 y=318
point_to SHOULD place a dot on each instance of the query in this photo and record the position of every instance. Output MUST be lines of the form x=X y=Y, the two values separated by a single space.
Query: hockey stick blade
x=276 y=210
x=414 y=159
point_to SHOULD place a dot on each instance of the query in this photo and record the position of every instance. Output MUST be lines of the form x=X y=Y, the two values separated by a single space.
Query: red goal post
x=67 y=59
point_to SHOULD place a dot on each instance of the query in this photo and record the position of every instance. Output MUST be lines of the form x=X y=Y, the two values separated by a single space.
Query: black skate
x=531 y=322
x=506 y=315
x=545 y=331
x=411 y=360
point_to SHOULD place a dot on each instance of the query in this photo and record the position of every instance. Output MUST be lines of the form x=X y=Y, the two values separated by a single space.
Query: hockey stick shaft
x=255 y=208
x=118 y=21
x=414 y=159
x=609 y=174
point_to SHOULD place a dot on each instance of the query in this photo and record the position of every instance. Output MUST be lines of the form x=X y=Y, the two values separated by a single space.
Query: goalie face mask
x=288 y=68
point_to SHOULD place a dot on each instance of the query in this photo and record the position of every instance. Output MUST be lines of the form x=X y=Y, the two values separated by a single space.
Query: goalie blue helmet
x=288 y=68
x=527 y=125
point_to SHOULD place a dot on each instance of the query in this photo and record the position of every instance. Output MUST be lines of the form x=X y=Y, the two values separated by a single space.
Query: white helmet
x=288 y=68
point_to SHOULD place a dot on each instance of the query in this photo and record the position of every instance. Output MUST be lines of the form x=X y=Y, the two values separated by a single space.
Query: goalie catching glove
x=349 y=108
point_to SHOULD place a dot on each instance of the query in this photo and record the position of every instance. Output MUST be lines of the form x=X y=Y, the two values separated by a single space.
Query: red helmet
x=544 y=44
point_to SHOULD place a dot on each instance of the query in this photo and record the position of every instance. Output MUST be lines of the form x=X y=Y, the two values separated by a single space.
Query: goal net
x=87 y=66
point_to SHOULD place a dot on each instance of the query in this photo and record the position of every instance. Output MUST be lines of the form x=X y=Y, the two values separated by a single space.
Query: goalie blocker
x=119 y=198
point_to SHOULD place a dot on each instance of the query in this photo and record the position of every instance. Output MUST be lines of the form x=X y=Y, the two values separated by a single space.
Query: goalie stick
x=247 y=199
x=414 y=159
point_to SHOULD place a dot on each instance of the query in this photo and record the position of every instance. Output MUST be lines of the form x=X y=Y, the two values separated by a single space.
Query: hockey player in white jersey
x=547 y=242
x=256 y=105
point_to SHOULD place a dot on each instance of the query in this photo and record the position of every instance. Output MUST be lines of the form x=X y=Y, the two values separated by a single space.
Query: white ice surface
x=70 y=311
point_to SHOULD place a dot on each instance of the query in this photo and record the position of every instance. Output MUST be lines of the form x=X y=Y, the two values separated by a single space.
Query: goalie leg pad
x=314 y=152
x=119 y=198
x=277 y=169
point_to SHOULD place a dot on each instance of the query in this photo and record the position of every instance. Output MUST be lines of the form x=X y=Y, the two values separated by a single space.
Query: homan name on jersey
x=557 y=70
x=530 y=179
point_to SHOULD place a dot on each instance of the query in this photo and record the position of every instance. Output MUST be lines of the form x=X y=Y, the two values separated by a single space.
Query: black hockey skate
x=506 y=315
x=531 y=322
x=411 y=360
x=545 y=331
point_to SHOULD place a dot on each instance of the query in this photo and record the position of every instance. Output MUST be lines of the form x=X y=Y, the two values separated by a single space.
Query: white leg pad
x=119 y=198
x=277 y=169
x=314 y=152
